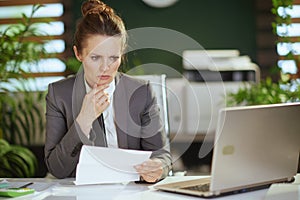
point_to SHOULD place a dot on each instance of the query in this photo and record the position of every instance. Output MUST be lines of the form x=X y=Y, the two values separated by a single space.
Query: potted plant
x=265 y=92
x=16 y=161
x=22 y=119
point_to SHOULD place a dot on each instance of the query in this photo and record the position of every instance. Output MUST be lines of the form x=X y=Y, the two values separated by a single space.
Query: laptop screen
x=255 y=145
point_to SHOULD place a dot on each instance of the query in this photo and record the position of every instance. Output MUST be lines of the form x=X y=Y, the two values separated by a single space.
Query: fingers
x=151 y=170
x=99 y=88
x=94 y=103
x=101 y=103
x=149 y=166
x=100 y=98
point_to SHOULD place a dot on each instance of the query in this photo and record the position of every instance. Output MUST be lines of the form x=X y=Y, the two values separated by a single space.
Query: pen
x=26 y=185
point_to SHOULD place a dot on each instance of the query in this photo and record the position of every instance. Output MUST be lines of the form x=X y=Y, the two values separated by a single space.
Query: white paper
x=99 y=165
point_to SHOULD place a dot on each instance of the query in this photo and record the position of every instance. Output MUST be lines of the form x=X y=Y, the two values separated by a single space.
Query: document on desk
x=100 y=165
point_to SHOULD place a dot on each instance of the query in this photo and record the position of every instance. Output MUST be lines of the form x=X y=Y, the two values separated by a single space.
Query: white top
x=108 y=116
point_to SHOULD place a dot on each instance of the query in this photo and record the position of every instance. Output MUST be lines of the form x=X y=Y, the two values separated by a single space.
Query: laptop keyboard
x=200 y=188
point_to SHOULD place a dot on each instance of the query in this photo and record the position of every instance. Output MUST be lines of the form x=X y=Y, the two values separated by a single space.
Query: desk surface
x=64 y=189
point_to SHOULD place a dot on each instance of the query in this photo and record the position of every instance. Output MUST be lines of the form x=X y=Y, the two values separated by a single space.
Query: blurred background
x=36 y=49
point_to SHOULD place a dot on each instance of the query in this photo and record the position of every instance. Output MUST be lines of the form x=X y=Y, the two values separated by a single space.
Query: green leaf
x=28 y=159
x=16 y=161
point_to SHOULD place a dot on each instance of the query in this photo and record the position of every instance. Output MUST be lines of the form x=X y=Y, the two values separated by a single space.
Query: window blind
x=53 y=21
x=288 y=47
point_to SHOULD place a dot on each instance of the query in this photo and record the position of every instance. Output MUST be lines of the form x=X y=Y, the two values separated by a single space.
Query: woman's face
x=101 y=58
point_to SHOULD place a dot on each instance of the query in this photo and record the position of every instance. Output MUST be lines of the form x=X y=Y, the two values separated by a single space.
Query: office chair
x=158 y=84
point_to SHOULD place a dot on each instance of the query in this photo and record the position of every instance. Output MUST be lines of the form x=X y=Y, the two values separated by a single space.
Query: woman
x=100 y=106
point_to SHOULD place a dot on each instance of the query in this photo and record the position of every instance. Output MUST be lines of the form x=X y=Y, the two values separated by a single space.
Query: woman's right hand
x=94 y=103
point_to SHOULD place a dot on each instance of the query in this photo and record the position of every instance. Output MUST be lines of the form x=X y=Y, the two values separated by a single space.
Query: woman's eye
x=114 y=58
x=94 y=58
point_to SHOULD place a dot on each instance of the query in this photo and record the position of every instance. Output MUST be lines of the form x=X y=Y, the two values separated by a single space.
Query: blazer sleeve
x=63 y=143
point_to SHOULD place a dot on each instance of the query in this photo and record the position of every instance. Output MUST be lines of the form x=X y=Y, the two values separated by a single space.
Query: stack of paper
x=106 y=165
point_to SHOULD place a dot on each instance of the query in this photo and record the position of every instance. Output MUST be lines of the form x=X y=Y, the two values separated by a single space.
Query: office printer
x=209 y=75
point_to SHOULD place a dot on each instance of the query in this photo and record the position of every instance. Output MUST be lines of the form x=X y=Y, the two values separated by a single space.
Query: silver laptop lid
x=255 y=145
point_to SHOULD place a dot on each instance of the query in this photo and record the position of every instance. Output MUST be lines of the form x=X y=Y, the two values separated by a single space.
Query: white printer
x=209 y=75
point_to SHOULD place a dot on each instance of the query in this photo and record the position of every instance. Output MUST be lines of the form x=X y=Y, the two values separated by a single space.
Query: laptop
x=254 y=147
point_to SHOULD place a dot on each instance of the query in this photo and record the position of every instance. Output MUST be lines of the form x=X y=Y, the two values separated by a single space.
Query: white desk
x=65 y=190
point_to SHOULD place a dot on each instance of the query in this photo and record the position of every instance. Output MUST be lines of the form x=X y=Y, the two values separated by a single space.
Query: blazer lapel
x=121 y=111
x=78 y=93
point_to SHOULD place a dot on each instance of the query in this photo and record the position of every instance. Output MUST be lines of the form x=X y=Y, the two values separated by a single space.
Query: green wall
x=213 y=24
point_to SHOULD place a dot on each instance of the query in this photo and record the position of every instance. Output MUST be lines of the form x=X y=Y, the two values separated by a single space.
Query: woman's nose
x=104 y=65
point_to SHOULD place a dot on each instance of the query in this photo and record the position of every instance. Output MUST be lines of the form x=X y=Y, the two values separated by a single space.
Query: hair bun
x=95 y=7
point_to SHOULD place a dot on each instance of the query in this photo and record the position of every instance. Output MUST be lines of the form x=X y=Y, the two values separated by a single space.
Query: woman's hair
x=98 y=19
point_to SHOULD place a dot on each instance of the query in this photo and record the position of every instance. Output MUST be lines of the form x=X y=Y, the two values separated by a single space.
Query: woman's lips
x=104 y=77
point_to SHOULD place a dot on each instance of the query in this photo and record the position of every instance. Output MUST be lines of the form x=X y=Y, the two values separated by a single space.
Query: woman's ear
x=77 y=54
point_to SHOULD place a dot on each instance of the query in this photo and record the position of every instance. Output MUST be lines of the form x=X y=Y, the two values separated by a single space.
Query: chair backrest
x=158 y=84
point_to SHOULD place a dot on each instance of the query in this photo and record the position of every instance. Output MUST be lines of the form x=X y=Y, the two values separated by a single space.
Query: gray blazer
x=137 y=120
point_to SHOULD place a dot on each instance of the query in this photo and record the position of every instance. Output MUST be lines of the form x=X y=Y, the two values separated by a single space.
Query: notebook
x=254 y=147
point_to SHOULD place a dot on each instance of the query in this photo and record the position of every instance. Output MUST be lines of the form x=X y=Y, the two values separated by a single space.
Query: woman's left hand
x=150 y=170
